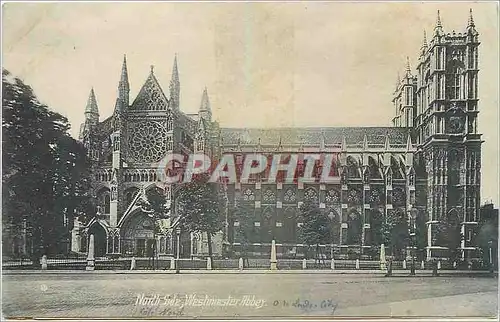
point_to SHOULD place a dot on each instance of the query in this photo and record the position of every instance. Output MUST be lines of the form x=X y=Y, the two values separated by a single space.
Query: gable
x=150 y=97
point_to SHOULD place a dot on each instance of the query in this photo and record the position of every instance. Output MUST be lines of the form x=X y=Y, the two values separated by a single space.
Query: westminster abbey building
x=425 y=168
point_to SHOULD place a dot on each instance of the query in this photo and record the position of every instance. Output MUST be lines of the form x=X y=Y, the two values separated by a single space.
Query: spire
x=343 y=146
x=91 y=110
x=124 y=76
x=438 y=29
x=175 y=86
x=365 y=143
x=92 y=103
x=123 y=87
x=205 y=110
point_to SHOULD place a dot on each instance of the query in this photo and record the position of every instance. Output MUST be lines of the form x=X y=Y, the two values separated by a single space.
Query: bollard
x=304 y=264
x=209 y=263
x=90 y=255
x=357 y=263
x=383 y=261
x=455 y=265
x=332 y=265
x=439 y=265
x=274 y=261
x=404 y=263
x=240 y=264
x=132 y=263
x=422 y=265
x=172 y=264
x=44 y=262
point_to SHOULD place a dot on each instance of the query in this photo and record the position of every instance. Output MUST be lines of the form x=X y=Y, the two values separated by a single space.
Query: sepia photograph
x=250 y=160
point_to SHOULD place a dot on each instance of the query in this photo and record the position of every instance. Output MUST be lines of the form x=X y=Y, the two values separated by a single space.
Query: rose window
x=147 y=142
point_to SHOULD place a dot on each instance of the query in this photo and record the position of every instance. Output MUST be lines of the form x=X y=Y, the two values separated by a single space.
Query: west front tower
x=447 y=136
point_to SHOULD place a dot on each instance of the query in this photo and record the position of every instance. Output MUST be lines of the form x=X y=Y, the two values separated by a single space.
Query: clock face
x=456 y=124
x=146 y=141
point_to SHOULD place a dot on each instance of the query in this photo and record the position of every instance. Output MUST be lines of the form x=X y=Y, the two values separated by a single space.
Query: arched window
x=454 y=79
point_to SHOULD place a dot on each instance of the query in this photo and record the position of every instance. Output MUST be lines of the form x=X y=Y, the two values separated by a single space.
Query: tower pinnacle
x=408 y=69
x=175 y=86
x=438 y=29
x=123 y=87
x=91 y=110
x=470 y=24
x=205 y=110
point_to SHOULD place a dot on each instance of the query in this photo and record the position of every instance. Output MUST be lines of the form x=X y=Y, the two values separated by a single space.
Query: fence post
x=304 y=264
x=404 y=263
x=44 y=262
x=422 y=265
x=172 y=263
x=439 y=264
x=357 y=263
x=332 y=264
x=209 y=263
x=240 y=264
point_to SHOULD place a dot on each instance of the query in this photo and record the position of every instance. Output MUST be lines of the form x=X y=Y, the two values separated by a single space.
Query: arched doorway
x=137 y=235
x=100 y=239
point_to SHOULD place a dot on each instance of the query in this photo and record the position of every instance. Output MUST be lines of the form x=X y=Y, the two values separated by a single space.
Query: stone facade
x=427 y=165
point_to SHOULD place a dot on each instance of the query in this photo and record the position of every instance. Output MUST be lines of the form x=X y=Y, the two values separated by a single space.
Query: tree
x=316 y=227
x=198 y=208
x=155 y=205
x=449 y=234
x=245 y=231
x=394 y=232
x=45 y=172
x=421 y=234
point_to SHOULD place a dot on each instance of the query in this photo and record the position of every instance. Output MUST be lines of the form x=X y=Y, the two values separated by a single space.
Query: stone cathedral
x=425 y=167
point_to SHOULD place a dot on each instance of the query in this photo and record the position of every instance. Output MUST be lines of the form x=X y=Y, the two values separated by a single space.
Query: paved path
x=95 y=294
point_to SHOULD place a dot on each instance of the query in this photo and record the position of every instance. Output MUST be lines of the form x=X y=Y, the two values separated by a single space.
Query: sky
x=264 y=64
